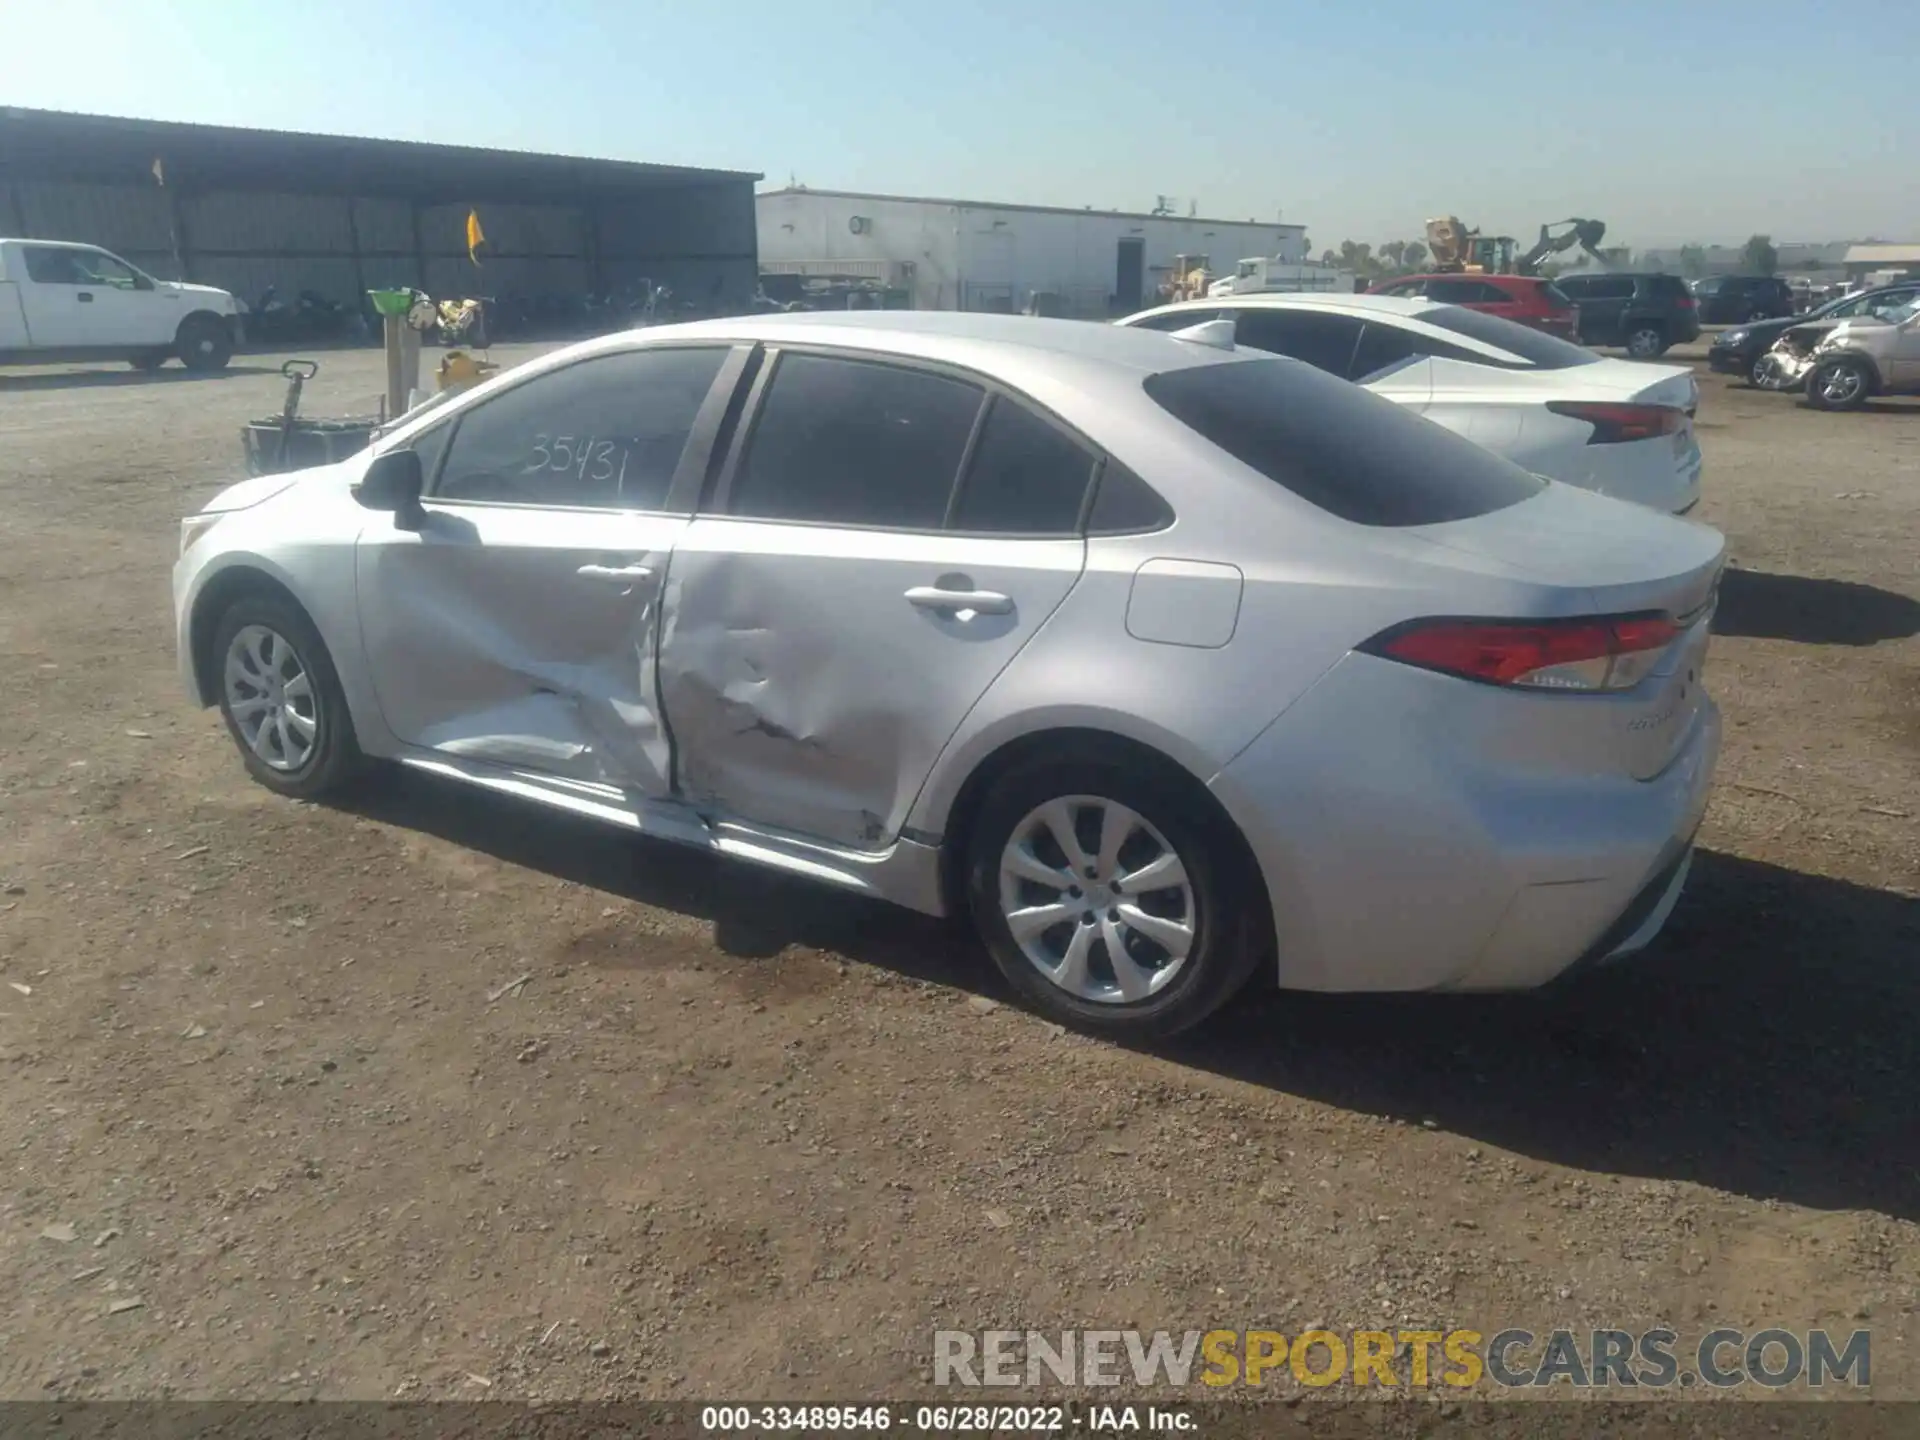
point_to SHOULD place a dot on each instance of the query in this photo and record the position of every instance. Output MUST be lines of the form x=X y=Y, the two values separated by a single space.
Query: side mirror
x=393 y=483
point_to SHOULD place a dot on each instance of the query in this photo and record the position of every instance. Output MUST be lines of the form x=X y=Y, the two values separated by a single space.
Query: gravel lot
x=737 y=1137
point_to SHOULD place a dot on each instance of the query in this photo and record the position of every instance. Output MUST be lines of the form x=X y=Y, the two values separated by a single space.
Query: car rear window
x=1540 y=351
x=1338 y=447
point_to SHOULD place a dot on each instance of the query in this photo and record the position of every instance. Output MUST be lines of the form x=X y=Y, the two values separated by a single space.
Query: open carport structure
x=248 y=209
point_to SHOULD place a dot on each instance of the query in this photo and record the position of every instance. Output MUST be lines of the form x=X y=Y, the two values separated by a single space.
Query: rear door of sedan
x=884 y=537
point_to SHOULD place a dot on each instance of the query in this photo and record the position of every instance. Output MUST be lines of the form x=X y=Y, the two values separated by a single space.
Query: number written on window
x=605 y=433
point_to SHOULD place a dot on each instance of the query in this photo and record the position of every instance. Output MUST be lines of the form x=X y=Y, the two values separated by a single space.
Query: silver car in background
x=1163 y=661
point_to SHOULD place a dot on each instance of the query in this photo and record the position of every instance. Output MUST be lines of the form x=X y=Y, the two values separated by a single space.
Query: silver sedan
x=1166 y=662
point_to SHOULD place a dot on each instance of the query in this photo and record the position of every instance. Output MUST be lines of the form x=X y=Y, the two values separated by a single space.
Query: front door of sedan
x=843 y=603
x=518 y=625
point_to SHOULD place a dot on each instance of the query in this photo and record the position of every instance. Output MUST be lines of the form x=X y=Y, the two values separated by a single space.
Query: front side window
x=1339 y=447
x=604 y=433
x=851 y=442
x=58 y=265
x=1176 y=320
x=1026 y=477
x=1464 y=292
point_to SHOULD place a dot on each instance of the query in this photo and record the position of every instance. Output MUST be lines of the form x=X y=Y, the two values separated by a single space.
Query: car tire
x=204 y=344
x=281 y=698
x=1839 y=385
x=1757 y=371
x=1646 y=342
x=1189 y=945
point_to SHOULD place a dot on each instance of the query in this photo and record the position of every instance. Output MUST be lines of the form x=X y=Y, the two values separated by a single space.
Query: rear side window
x=1322 y=338
x=850 y=442
x=1599 y=287
x=1538 y=351
x=1666 y=286
x=1125 y=504
x=1337 y=447
x=1026 y=477
x=1554 y=295
x=1464 y=292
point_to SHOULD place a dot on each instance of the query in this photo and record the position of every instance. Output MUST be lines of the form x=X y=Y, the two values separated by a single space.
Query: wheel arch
x=1080 y=741
x=215 y=596
x=201 y=317
x=1875 y=380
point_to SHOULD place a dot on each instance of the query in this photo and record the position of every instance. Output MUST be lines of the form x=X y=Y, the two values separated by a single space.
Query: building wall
x=697 y=238
x=995 y=257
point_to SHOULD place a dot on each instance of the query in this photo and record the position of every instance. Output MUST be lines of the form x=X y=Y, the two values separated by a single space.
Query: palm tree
x=1395 y=253
x=1415 y=255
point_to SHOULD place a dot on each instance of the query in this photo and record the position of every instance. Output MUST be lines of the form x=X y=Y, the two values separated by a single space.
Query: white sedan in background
x=1621 y=427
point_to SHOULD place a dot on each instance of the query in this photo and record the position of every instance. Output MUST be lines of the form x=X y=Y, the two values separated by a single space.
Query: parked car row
x=1164 y=656
x=1747 y=350
x=1645 y=315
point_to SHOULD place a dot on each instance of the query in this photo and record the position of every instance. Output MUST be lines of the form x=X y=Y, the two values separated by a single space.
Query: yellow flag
x=475 y=236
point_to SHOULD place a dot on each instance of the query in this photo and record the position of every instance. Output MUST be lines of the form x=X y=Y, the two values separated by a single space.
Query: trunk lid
x=1588 y=555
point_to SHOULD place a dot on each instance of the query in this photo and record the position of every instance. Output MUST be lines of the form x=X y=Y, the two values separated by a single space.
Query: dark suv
x=1742 y=299
x=1644 y=314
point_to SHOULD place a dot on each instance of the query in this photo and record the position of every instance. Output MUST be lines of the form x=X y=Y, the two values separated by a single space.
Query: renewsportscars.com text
x=1460 y=1359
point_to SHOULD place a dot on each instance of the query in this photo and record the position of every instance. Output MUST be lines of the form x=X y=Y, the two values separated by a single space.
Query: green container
x=391 y=302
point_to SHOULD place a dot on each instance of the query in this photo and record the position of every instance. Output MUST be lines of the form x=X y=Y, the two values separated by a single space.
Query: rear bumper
x=1403 y=852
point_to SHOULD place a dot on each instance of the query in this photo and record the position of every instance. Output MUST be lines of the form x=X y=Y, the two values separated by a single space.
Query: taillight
x=1686 y=302
x=1614 y=423
x=1589 y=654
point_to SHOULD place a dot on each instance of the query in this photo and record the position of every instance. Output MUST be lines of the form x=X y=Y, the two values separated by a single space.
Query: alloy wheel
x=270 y=695
x=1841 y=385
x=1097 y=899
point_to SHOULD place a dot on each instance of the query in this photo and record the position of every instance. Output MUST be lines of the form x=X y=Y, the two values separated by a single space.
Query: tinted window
x=853 y=443
x=1406 y=289
x=1320 y=337
x=1026 y=477
x=606 y=433
x=1666 y=286
x=430 y=445
x=1381 y=346
x=1125 y=504
x=47 y=265
x=1539 y=351
x=1554 y=295
x=1463 y=292
x=1334 y=445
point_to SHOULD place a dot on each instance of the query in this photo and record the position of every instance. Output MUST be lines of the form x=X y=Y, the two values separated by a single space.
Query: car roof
x=1398 y=305
x=958 y=337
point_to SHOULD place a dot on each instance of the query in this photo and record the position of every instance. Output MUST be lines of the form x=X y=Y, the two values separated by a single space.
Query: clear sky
x=1671 y=120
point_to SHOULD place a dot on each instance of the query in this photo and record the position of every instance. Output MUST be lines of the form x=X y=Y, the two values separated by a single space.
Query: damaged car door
x=884 y=539
x=517 y=624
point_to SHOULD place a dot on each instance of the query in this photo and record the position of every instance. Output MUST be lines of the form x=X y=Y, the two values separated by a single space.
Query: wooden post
x=396 y=328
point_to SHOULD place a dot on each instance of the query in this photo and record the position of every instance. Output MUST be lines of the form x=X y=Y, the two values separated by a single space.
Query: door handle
x=986 y=602
x=623 y=574
x=85 y=297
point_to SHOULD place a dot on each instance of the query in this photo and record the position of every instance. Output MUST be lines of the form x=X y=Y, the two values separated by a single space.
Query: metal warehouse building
x=976 y=255
x=248 y=209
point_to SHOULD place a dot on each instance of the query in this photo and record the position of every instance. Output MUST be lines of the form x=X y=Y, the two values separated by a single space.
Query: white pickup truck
x=62 y=302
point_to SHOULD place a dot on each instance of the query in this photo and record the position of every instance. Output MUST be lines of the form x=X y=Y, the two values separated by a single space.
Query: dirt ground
x=735 y=1137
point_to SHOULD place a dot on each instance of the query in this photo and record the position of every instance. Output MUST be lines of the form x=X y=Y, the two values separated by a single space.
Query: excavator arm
x=1587 y=234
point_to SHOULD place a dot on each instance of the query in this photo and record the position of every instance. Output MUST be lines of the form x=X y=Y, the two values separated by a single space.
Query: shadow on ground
x=84 y=379
x=1759 y=605
x=1769 y=1046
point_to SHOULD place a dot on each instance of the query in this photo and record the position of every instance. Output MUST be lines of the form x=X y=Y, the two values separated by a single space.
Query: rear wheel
x=1839 y=385
x=281 y=698
x=1645 y=342
x=204 y=343
x=1109 y=899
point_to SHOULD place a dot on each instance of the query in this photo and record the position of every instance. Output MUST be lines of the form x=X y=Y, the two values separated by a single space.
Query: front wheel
x=204 y=343
x=282 y=700
x=1839 y=385
x=1646 y=342
x=1110 y=900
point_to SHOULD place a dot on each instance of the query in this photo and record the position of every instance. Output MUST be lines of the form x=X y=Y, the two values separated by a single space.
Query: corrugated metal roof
x=1883 y=255
x=1034 y=209
x=53 y=144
